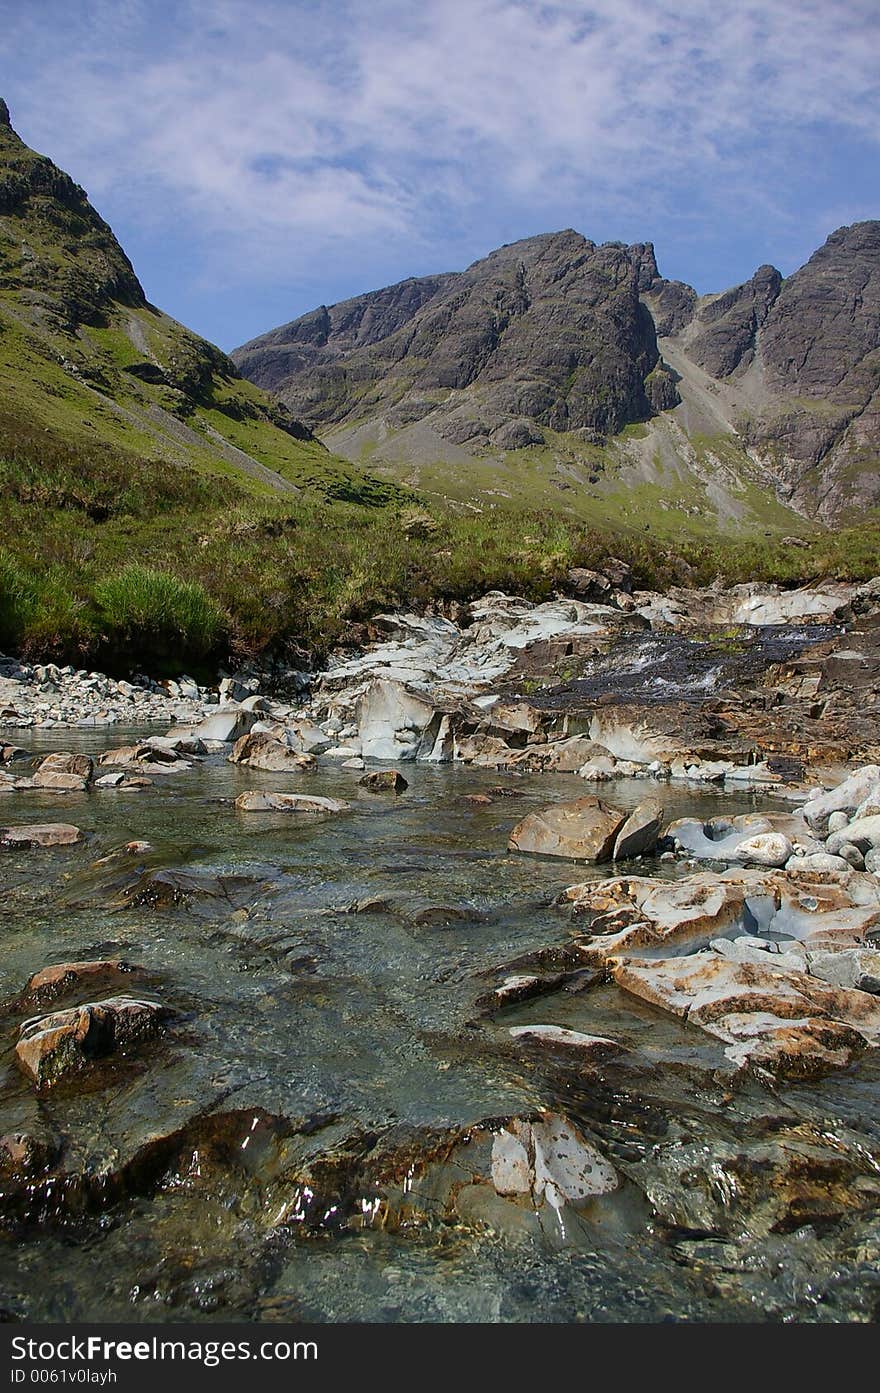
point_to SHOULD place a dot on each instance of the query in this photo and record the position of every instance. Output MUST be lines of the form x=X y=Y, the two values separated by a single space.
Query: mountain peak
x=5 y=119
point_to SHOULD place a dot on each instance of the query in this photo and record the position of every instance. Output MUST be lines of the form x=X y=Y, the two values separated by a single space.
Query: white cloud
x=285 y=130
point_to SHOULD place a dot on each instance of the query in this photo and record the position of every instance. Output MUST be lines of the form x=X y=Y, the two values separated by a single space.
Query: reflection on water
x=316 y=1033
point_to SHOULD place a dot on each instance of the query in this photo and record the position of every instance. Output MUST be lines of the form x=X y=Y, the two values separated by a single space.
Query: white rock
x=548 y=1159
x=846 y=797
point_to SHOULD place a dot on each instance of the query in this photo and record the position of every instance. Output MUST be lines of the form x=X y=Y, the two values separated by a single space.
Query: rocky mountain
x=87 y=361
x=555 y=364
x=549 y=332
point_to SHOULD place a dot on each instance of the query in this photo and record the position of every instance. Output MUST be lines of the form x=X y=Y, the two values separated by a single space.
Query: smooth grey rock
x=858 y=968
x=846 y=797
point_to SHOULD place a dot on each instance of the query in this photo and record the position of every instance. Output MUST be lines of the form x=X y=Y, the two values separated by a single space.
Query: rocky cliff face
x=62 y=257
x=556 y=337
x=546 y=334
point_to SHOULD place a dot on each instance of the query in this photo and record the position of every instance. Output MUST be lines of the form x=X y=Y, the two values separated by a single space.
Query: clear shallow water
x=334 y=1030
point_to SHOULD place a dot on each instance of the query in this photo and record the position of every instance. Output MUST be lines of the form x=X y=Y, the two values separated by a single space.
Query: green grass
x=155 y=618
x=240 y=575
x=133 y=534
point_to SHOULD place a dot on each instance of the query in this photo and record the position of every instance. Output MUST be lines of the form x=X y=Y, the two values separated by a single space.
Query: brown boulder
x=44 y=834
x=263 y=751
x=58 y=781
x=384 y=781
x=52 y=1048
x=584 y=830
x=62 y=763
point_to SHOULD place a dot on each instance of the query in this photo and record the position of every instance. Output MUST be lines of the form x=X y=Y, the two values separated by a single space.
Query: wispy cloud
x=283 y=131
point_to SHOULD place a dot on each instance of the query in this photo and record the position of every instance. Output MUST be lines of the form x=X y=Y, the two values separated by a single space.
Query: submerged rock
x=256 y=801
x=55 y=1047
x=583 y=830
x=46 y=834
x=59 y=980
x=547 y=1160
x=557 y=1036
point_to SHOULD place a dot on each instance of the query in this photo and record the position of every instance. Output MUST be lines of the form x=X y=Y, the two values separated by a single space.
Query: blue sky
x=258 y=159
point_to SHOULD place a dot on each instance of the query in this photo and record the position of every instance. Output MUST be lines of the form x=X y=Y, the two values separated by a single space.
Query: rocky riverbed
x=519 y=966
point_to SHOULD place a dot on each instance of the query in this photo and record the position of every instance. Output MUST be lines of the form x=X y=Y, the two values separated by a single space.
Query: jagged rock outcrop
x=820 y=353
x=729 y=325
x=555 y=337
x=548 y=332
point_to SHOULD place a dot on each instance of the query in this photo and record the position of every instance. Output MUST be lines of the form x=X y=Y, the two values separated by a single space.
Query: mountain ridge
x=795 y=362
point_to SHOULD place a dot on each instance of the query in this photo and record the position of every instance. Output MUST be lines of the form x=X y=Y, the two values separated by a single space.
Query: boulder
x=162 y=758
x=599 y=769
x=60 y=763
x=817 y=861
x=583 y=830
x=846 y=797
x=61 y=979
x=46 y=834
x=856 y=968
x=766 y=849
x=227 y=724
x=638 y=835
x=863 y=832
x=261 y=751
x=384 y=781
x=56 y=781
x=308 y=737
x=258 y=802
x=785 y=1022
x=55 y=1047
x=395 y=723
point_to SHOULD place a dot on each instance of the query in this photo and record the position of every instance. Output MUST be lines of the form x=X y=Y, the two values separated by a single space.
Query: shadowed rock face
x=822 y=337
x=820 y=352
x=732 y=323
x=548 y=332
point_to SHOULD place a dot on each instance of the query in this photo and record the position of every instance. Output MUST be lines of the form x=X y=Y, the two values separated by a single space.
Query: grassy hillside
x=158 y=511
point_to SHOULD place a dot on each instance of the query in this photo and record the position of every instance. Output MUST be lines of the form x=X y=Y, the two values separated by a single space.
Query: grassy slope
x=119 y=440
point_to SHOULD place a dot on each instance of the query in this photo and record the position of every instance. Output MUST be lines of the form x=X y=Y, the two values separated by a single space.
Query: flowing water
x=649 y=667
x=306 y=1032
